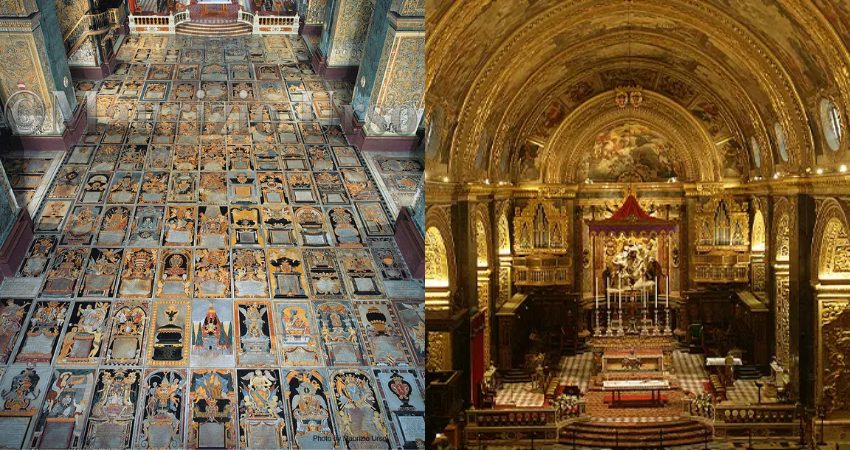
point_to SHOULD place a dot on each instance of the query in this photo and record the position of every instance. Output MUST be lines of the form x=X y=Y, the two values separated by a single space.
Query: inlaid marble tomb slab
x=213 y=270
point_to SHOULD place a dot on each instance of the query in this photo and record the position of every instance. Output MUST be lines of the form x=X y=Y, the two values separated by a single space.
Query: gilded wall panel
x=783 y=327
x=405 y=73
x=20 y=55
x=400 y=80
x=409 y=7
x=315 y=14
x=504 y=286
x=17 y=7
x=835 y=350
x=349 y=34
x=69 y=12
x=484 y=308
x=439 y=351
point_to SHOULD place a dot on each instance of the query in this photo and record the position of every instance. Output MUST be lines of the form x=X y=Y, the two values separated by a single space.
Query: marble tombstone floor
x=201 y=278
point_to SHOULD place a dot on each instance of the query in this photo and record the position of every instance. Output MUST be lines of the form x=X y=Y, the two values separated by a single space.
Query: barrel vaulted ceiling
x=519 y=90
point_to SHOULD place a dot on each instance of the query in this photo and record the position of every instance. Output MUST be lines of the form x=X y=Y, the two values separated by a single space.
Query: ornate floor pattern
x=213 y=267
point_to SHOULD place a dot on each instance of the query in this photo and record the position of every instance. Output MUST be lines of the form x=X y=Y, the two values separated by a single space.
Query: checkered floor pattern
x=745 y=391
x=576 y=370
x=518 y=395
x=690 y=370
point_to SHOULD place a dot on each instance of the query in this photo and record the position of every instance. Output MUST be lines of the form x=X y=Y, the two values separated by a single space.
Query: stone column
x=467 y=292
x=410 y=229
x=312 y=14
x=389 y=90
x=801 y=301
x=343 y=43
x=15 y=230
x=35 y=82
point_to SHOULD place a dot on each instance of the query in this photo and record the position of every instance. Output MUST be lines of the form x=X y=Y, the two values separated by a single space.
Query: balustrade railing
x=157 y=24
x=270 y=24
x=530 y=417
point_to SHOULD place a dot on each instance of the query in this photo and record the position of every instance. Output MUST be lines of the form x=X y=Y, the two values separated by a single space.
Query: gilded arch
x=570 y=145
x=831 y=244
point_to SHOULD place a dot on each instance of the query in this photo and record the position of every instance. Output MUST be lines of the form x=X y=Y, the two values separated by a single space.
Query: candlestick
x=667 y=303
x=598 y=329
x=656 y=321
x=656 y=291
x=607 y=297
x=619 y=293
x=596 y=294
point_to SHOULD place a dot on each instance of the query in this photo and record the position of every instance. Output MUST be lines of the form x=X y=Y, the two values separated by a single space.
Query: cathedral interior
x=212 y=224
x=636 y=224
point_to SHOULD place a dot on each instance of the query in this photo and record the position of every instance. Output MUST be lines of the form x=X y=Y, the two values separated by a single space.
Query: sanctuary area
x=636 y=229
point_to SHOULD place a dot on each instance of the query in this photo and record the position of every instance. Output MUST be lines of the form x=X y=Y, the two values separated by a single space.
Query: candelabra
x=644 y=328
x=667 y=329
x=609 y=330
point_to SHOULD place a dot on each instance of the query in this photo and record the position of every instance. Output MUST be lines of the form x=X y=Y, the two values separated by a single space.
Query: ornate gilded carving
x=22 y=64
x=436 y=266
x=484 y=308
x=783 y=234
x=758 y=235
x=835 y=253
x=481 y=247
x=349 y=32
x=504 y=286
x=835 y=336
x=504 y=235
x=783 y=329
x=439 y=351
x=315 y=14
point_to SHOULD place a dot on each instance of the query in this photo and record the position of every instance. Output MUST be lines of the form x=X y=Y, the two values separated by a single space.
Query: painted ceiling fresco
x=738 y=66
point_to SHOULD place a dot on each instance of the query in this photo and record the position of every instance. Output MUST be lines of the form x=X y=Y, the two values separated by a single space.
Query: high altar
x=631 y=297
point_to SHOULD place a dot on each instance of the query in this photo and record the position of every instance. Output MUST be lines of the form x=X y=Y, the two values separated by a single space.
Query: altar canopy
x=630 y=218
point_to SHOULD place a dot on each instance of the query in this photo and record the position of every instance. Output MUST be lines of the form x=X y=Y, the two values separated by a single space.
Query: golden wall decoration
x=835 y=253
x=783 y=235
x=409 y=7
x=23 y=62
x=541 y=227
x=481 y=247
x=348 y=37
x=400 y=80
x=439 y=351
x=758 y=235
x=17 y=7
x=783 y=327
x=504 y=286
x=436 y=266
x=504 y=235
x=315 y=14
x=835 y=351
x=484 y=308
